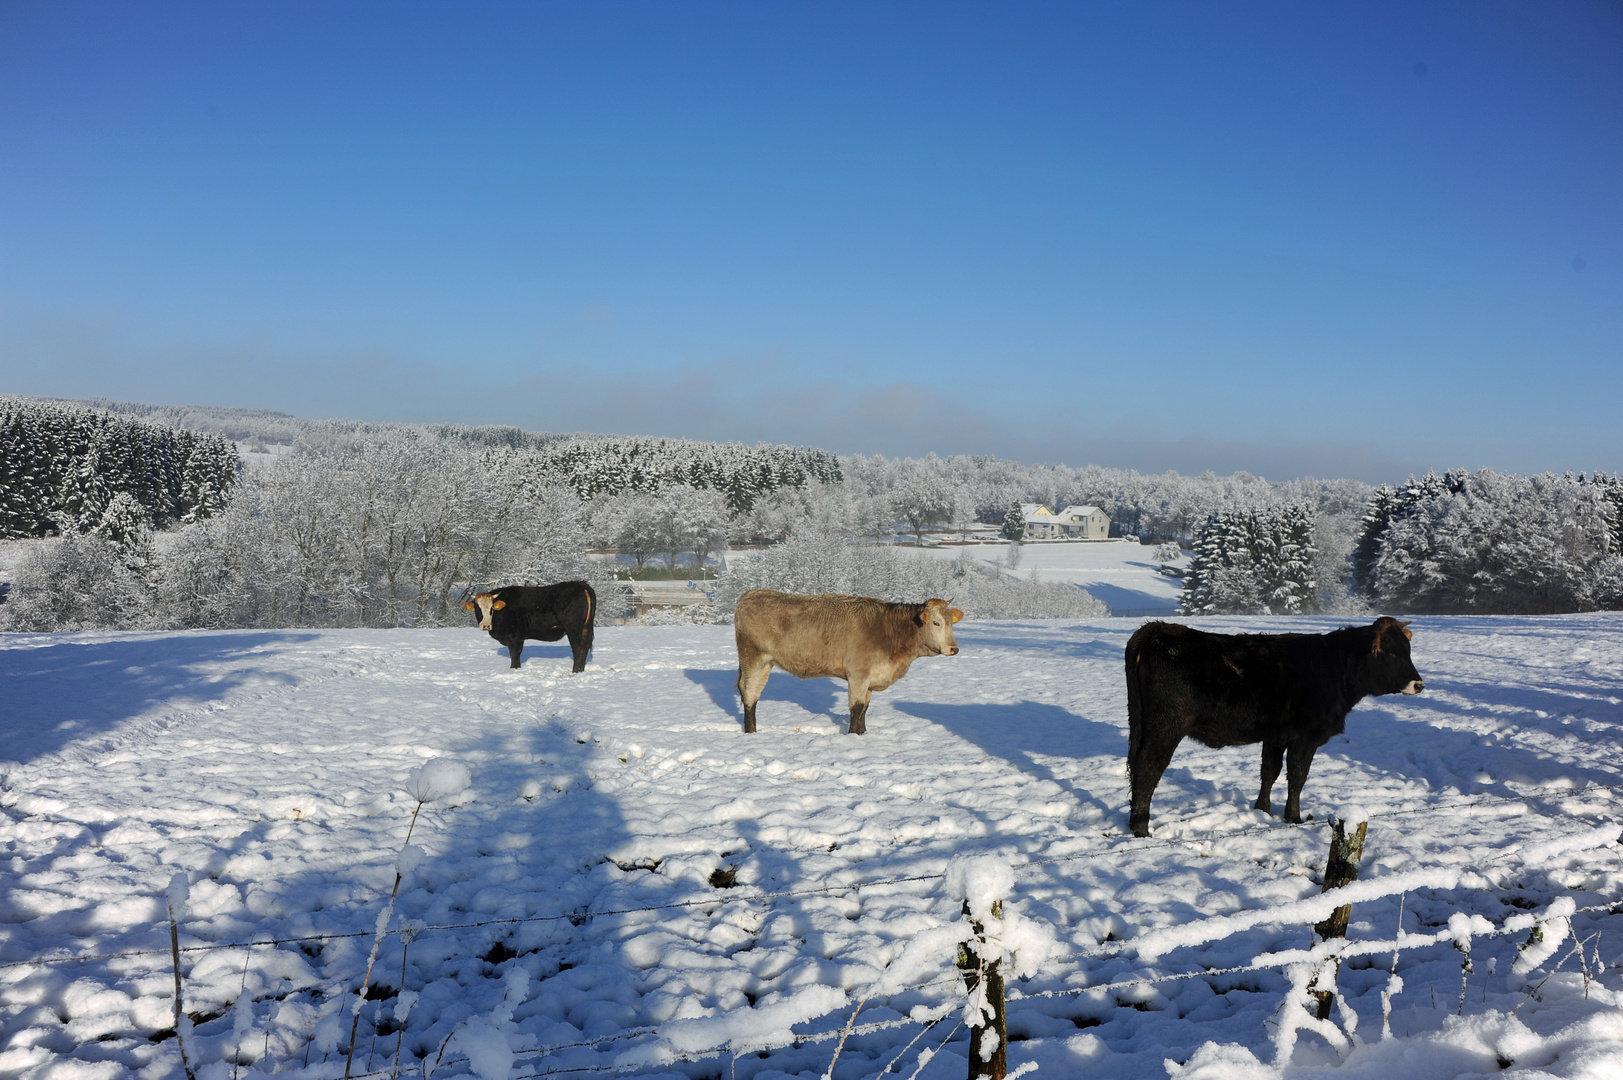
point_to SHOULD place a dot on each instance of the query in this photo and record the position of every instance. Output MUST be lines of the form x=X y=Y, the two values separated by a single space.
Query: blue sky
x=1293 y=238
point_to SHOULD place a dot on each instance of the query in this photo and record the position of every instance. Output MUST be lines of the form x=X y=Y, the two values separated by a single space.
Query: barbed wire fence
x=1305 y=969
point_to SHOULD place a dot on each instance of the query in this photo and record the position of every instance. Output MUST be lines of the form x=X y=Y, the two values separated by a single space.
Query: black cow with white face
x=1290 y=692
x=540 y=613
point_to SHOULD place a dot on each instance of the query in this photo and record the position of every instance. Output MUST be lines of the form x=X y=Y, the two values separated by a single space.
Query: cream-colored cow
x=868 y=643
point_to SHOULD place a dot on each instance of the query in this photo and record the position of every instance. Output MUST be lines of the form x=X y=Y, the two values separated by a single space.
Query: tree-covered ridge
x=594 y=466
x=63 y=467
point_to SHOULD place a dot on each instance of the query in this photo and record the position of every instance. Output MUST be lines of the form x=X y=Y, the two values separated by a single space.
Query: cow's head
x=487 y=605
x=935 y=624
x=1389 y=655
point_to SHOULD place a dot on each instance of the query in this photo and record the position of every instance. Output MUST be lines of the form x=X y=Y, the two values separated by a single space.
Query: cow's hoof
x=1140 y=828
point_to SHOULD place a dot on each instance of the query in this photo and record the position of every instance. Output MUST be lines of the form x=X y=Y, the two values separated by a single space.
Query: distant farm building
x=1072 y=523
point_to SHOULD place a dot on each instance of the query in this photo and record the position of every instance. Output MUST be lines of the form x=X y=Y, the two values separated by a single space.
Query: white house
x=1072 y=523
x=1040 y=521
x=1083 y=523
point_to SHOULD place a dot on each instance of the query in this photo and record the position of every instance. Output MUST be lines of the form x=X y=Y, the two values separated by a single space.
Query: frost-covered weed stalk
x=436 y=780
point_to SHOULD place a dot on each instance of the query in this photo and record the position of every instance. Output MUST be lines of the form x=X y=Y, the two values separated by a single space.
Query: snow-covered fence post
x=985 y=976
x=175 y=897
x=1341 y=868
x=1002 y=940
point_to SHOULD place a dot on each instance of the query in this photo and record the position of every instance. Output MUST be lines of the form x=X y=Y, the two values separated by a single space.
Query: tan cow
x=868 y=643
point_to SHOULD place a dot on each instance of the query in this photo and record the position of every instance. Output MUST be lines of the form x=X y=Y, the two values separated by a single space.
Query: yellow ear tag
x=956 y=614
x=468 y=606
x=500 y=604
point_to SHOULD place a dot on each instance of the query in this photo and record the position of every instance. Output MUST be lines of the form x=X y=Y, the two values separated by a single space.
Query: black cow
x=541 y=613
x=1287 y=691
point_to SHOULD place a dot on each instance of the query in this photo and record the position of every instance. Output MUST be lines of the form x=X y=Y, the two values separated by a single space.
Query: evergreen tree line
x=1454 y=543
x=1255 y=562
x=67 y=469
x=596 y=466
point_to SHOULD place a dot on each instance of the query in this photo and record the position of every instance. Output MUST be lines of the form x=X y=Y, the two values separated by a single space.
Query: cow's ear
x=1406 y=632
x=498 y=605
x=468 y=606
x=956 y=615
x=918 y=620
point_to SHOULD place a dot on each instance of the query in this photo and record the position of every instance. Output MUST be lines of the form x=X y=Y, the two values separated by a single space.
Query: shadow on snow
x=72 y=689
x=820 y=697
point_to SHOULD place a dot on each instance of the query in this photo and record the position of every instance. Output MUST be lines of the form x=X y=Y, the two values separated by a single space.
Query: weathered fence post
x=1340 y=869
x=972 y=962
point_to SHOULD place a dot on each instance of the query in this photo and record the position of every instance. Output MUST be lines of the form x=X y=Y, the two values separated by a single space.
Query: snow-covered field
x=631 y=880
x=1121 y=573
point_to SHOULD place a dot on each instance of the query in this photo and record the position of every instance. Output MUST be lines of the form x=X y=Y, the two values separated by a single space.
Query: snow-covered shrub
x=835 y=564
x=80 y=582
x=386 y=532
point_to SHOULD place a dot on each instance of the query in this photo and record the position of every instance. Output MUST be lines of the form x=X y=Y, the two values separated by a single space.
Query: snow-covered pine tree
x=1014 y=524
x=1384 y=505
x=20 y=497
x=1252 y=562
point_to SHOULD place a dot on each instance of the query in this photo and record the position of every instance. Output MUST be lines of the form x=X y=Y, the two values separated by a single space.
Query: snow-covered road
x=270 y=768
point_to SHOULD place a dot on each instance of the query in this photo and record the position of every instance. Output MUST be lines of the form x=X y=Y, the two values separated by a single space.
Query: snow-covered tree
x=1500 y=544
x=1253 y=562
x=921 y=497
x=1014 y=524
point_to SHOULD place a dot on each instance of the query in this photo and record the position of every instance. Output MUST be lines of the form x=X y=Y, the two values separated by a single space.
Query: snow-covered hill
x=630 y=879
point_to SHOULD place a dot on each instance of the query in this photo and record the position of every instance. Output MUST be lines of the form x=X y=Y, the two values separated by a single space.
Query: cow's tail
x=591 y=602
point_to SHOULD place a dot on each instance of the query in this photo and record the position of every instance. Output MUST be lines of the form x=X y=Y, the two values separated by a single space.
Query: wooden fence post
x=1340 y=869
x=180 y=1008
x=974 y=966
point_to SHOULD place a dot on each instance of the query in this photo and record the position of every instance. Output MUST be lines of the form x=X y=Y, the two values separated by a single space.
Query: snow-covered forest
x=356 y=524
x=67 y=469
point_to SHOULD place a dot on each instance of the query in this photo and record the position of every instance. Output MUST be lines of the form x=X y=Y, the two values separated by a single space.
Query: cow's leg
x=1149 y=760
x=579 y=645
x=752 y=676
x=515 y=649
x=858 y=695
x=1273 y=756
x=1301 y=759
